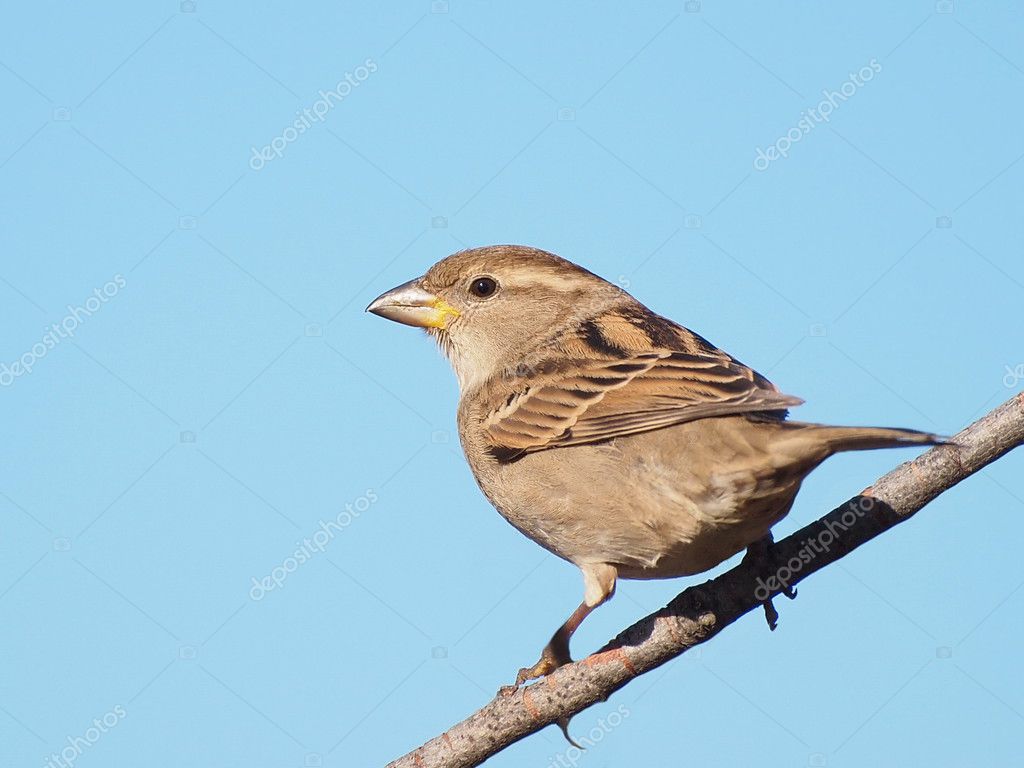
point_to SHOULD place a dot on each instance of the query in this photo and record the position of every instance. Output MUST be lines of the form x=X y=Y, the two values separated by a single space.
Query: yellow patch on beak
x=445 y=313
x=411 y=304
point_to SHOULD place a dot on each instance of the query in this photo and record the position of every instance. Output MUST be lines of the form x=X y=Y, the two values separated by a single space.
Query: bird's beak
x=411 y=304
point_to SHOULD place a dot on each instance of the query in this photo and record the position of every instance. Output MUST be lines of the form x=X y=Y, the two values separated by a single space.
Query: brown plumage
x=613 y=437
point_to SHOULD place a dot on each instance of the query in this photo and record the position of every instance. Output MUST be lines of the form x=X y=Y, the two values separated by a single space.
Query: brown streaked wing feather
x=595 y=399
x=552 y=403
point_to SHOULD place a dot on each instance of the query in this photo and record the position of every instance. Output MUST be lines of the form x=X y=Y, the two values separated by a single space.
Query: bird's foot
x=550 y=660
x=555 y=655
x=760 y=555
x=770 y=614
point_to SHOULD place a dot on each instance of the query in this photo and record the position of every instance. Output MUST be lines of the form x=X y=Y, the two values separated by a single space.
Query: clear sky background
x=224 y=394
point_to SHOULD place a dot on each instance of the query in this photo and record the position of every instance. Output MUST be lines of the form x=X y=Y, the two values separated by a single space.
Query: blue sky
x=196 y=203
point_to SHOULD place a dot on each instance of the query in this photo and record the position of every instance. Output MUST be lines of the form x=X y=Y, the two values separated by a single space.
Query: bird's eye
x=483 y=287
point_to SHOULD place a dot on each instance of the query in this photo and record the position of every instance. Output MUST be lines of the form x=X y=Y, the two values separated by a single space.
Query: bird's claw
x=770 y=614
x=549 y=661
x=760 y=554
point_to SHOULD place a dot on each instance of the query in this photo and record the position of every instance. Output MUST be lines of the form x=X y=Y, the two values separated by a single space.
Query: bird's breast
x=660 y=504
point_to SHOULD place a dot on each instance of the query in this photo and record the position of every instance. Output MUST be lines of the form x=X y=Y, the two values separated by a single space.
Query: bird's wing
x=595 y=398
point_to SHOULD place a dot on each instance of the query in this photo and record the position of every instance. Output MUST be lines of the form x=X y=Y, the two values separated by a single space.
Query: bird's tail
x=838 y=439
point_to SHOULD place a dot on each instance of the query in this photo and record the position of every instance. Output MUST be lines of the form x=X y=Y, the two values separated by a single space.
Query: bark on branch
x=701 y=612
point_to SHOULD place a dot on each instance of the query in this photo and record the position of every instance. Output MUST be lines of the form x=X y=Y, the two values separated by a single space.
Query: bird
x=613 y=437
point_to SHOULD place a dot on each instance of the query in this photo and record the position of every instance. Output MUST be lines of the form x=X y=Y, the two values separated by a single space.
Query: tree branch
x=701 y=612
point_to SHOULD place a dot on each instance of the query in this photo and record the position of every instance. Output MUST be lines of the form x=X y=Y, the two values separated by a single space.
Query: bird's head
x=492 y=308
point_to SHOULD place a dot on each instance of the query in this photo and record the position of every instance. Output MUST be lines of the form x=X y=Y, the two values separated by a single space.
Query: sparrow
x=615 y=438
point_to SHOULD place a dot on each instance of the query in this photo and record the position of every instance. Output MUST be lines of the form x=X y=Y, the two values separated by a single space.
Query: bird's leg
x=761 y=554
x=556 y=652
x=598 y=586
